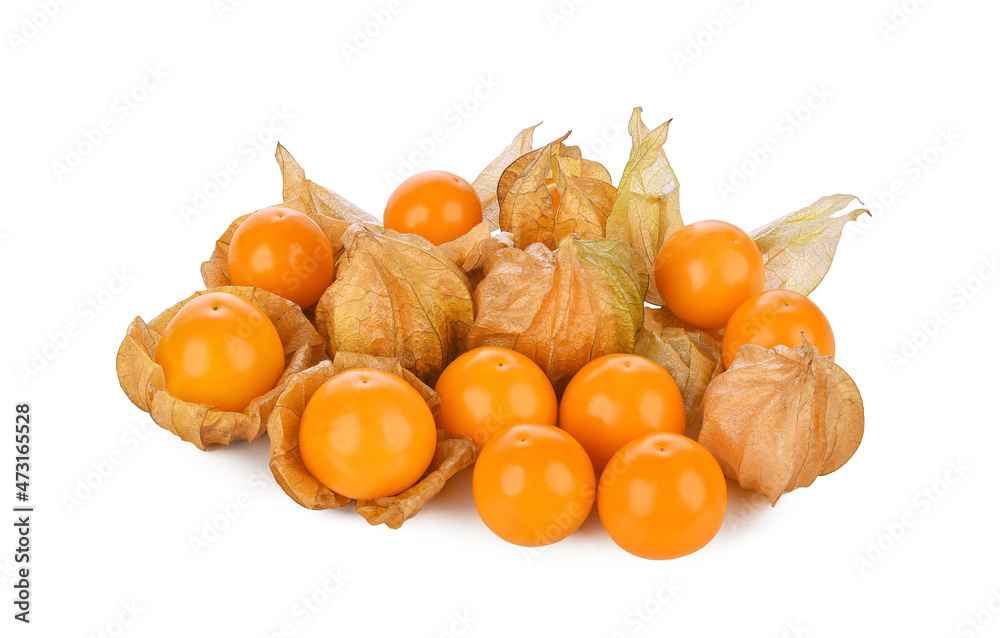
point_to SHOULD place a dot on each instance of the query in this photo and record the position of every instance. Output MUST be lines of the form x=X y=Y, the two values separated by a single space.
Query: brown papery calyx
x=780 y=417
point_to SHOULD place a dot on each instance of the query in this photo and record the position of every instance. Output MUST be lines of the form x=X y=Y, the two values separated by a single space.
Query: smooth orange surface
x=220 y=350
x=616 y=398
x=282 y=251
x=777 y=317
x=437 y=205
x=705 y=270
x=367 y=434
x=533 y=485
x=662 y=496
x=486 y=389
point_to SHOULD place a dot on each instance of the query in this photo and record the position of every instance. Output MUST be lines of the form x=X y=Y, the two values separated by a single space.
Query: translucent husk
x=692 y=356
x=201 y=424
x=453 y=453
x=561 y=308
x=780 y=417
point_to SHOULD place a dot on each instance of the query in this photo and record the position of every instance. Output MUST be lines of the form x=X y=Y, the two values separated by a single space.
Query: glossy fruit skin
x=220 y=350
x=489 y=388
x=533 y=485
x=662 y=496
x=366 y=433
x=616 y=398
x=777 y=317
x=282 y=251
x=705 y=270
x=438 y=205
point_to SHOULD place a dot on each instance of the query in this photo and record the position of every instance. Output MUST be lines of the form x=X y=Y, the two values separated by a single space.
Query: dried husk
x=780 y=417
x=647 y=209
x=472 y=251
x=528 y=210
x=397 y=296
x=692 y=356
x=561 y=308
x=453 y=452
x=318 y=199
x=799 y=247
x=200 y=424
x=487 y=181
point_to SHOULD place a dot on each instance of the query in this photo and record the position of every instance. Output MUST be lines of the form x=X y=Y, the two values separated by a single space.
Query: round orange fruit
x=437 y=205
x=366 y=434
x=282 y=251
x=533 y=485
x=662 y=496
x=777 y=317
x=489 y=388
x=705 y=270
x=220 y=350
x=616 y=398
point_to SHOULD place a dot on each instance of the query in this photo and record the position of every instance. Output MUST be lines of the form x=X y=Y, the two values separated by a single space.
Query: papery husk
x=200 y=424
x=397 y=296
x=561 y=308
x=528 y=210
x=799 y=247
x=453 y=452
x=780 y=417
x=486 y=183
x=691 y=355
x=319 y=199
x=472 y=251
x=647 y=209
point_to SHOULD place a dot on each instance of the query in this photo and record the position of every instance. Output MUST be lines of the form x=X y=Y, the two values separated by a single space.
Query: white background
x=925 y=88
